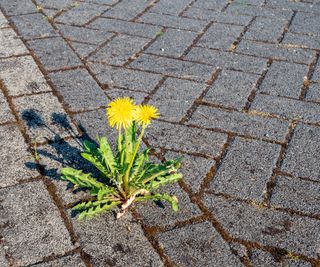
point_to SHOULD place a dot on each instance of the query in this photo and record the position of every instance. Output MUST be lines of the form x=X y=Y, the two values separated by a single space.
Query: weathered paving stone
x=54 y=53
x=10 y=44
x=13 y=157
x=296 y=194
x=284 y=79
x=119 y=49
x=197 y=245
x=104 y=2
x=128 y=9
x=120 y=245
x=18 y=7
x=238 y=122
x=125 y=27
x=294 y=5
x=309 y=41
x=175 y=97
x=220 y=17
x=173 y=67
x=81 y=14
x=57 y=4
x=266 y=29
x=275 y=51
x=125 y=78
x=172 y=43
x=73 y=260
x=220 y=36
x=287 y=108
x=316 y=74
x=194 y=169
x=170 y=7
x=3 y=260
x=231 y=89
x=35 y=229
x=30 y=79
x=173 y=22
x=214 y=5
x=3 y=21
x=266 y=226
x=83 y=50
x=302 y=157
x=44 y=117
x=5 y=112
x=227 y=60
x=138 y=97
x=78 y=89
x=246 y=169
x=187 y=139
x=33 y=26
x=313 y=92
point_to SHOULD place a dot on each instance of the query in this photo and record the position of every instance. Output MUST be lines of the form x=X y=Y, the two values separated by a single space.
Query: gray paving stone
x=33 y=26
x=123 y=244
x=36 y=229
x=126 y=78
x=73 y=260
x=305 y=23
x=78 y=89
x=309 y=41
x=54 y=53
x=103 y=2
x=232 y=89
x=172 y=43
x=266 y=226
x=187 y=139
x=216 y=16
x=284 y=79
x=138 y=97
x=14 y=157
x=170 y=7
x=302 y=156
x=173 y=67
x=197 y=245
x=119 y=49
x=313 y=92
x=220 y=36
x=227 y=60
x=173 y=22
x=241 y=123
x=316 y=74
x=125 y=27
x=10 y=44
x=287 y=108
x=30 y=79
x=128 y=9
x=17 y=7
x=296 y=194
x=83 y=50
x=194 y=169
x=268 y=29
x=81 y=14
x=274 y=51
x=44 y=117
x=57 y=4
x=3 y=260
x=175 y=97
x=3 y=21
x=5 y=111
x=246 y=169
x=214 y=4
x=298 y=6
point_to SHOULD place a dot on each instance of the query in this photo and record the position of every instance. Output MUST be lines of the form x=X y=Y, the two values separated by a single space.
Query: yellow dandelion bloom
x=120 y=112
x=145 y=113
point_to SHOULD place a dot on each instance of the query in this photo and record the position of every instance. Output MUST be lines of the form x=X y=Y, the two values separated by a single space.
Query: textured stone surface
x=170 y=7
x=73 y=260
x=306 y=23
x=308 y=41
x=313 y=92
x=5 y=112
x=10 y=44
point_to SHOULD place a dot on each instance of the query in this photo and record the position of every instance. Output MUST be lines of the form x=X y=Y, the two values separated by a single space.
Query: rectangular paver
x=309 y=41
x=5 y=111
x=18 y=7
x=214 y=4
x=10 y=44
x=313 y=92
x=170 y=7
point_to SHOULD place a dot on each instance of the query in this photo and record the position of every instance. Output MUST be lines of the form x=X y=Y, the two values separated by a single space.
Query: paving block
x=44 y=117
x=5 y=111
x=30 y=80
x=10 y=44
x=241 y=123
x=302 y=156
x=296 y=194
x=17 y=163
x=175 y=97
x=297 y=6
x=246 y=169
x=170 y=7
x=266 y=226
x=284 y=79
x=214 y=5
x=119 y=49
x=138 y=97
x=308 y=41
x=3 y=21
x=73 y=260
x=172 y=43
x=18 y=7
x=83 y=50
x=197 y=245
x=305 y=23
x=173 y=67
x=54 y=53
x=316 y=73
x=35 y=228
x=121 y=244
x=126 y=78
x=313 y=92
x=231 y=89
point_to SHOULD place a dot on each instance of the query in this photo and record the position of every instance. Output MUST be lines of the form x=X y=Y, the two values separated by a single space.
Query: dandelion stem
x=126 y=176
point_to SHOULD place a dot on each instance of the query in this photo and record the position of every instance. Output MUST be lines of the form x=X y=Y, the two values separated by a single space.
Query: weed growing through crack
x=126 y=174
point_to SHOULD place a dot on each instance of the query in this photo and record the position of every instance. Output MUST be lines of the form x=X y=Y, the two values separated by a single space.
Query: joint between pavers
x=286 y=27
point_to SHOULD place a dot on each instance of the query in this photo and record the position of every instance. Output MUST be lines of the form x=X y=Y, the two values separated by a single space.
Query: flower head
x=120 y=112
x=145 y=113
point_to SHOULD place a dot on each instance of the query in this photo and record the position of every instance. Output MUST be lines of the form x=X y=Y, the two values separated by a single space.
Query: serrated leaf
x=170 y=199
x=163 y=180
x=108 y=157
x=141 y=159
x=92 y=209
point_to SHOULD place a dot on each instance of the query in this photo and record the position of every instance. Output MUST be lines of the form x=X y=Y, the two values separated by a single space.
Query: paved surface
x=238 y=86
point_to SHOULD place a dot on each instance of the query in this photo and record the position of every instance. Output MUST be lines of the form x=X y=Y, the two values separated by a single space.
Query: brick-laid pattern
x=238 y=87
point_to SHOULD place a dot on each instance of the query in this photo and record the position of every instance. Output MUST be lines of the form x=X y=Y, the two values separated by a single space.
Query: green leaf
x=170 y=199
x=163 y=180
x=140 y=161
x=107 y=154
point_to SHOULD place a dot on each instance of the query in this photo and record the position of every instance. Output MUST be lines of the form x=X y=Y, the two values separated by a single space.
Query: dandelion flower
x=120 y=112
x=145 y=113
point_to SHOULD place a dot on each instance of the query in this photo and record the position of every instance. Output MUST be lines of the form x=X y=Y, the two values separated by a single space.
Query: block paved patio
x=237 y=83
